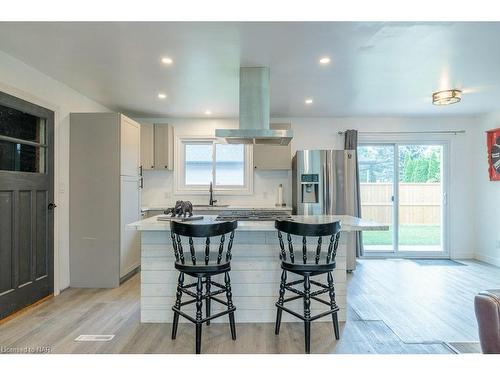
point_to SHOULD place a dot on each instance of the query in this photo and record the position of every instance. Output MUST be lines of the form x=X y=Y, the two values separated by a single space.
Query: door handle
x=51 y=206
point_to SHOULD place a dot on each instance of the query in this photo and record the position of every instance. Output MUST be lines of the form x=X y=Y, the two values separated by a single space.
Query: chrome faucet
x=211 y=200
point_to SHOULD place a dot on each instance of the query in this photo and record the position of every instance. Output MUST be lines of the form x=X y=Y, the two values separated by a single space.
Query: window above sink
x=201 y=160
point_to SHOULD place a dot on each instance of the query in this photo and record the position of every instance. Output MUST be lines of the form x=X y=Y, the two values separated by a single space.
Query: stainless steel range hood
x=254 y=112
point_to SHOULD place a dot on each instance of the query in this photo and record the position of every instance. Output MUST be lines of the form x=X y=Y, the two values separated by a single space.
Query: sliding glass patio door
x=403 y=186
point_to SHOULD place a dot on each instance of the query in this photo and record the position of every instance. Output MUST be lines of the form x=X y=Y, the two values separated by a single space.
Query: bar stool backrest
x=179 y=229
x=331 y=230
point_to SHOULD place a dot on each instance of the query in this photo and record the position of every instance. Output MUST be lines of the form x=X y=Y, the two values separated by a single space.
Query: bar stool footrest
x=297 y=315
x=193 y=320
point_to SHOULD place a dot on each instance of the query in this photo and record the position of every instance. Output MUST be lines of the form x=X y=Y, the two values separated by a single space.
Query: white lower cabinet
x=130 y=209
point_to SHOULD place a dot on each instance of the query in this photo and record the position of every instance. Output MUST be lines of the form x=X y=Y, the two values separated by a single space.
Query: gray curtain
x=351 y=143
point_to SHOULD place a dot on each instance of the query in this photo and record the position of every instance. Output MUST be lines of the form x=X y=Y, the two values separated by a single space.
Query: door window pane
x=21 y=125
x=229 y=165
x=21 y=158
x=420 y=192
x=198 y=163
x=376 y=172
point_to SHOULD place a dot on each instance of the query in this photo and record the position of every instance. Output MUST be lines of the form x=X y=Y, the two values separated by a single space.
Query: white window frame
x=180 y=177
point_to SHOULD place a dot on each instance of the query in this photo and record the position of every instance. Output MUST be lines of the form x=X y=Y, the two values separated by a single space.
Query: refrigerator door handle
x=325 y=210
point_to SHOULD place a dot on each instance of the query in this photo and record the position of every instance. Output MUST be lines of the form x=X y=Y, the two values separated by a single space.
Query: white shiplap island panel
x=255 y=271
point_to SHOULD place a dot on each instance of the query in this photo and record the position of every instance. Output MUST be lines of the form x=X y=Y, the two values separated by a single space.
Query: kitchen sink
x=207 y=205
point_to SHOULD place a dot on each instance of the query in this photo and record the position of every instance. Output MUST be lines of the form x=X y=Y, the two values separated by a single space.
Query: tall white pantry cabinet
x=104 y=194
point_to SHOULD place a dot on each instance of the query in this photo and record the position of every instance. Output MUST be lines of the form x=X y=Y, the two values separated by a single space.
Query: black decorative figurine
x=181 y=209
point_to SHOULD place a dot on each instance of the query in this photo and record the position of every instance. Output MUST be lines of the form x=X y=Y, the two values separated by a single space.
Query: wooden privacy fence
x=419 y=203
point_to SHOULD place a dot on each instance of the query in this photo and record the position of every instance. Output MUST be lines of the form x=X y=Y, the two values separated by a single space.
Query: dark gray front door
x=26 y=203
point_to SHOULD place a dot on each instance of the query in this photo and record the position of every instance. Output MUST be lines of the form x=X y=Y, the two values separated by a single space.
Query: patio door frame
x=396 y=142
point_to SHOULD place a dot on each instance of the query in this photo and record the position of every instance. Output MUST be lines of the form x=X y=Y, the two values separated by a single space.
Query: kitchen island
x=255 y=268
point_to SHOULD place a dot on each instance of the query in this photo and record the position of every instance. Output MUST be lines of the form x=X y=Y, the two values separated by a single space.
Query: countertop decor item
x=182 y=208
x=493 y=142
x=279 y=202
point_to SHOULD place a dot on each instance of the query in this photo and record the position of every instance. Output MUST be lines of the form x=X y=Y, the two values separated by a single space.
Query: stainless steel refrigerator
x=324 y=183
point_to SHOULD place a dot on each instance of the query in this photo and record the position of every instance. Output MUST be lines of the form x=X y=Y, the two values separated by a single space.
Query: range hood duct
x=254 y=112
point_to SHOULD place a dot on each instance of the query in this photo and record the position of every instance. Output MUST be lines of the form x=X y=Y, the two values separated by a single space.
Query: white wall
x=321 y=133
x=486 y=195
x=21 y=80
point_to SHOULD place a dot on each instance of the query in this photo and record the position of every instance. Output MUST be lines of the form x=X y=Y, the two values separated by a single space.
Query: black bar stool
x=316 y=266
x=203 y=266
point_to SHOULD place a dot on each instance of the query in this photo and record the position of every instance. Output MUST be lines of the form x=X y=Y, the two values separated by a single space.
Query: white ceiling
x=376 y=69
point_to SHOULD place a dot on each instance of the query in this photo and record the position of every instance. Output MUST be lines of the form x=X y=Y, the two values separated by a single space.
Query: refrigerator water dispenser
x=310 y=188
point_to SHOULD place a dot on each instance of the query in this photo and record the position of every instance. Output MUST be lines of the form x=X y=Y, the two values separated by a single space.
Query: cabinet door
x=130 y=211
x=272 y=157
x=147 y=146
x=163 y=151
x=130 y=147
x=269 y=157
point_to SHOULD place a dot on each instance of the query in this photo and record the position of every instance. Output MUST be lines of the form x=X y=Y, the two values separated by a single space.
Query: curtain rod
x=454 y=132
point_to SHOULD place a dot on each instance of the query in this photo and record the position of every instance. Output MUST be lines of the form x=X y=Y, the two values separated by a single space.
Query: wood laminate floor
x=394 y=306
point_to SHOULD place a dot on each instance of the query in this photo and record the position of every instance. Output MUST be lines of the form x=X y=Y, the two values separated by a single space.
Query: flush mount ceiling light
x=324 y=60
x=446 y=97
x=308 y=101
x=162 y=95
x=167 y=60
x=208 y=112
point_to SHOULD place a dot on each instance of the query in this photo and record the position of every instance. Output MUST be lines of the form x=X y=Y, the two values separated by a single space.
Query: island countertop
x=348 y=223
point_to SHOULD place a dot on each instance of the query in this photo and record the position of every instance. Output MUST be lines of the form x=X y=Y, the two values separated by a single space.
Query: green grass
x=408 y=235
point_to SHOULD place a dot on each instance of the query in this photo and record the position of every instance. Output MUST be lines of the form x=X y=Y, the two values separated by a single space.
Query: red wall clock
x=493 y=141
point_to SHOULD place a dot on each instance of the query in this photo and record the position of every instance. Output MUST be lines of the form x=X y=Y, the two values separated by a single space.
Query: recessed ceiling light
x=162 y=95
x=167 y=60
x=324 y=60
x=309 y=101
x=446 y=97
x=208 y=112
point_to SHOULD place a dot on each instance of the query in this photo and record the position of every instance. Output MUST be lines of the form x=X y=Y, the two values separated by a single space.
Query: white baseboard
x=465 y=255
x=488 y=259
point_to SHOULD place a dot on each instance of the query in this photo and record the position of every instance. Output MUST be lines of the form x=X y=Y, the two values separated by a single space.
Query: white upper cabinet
x=157 y=146
x=130 y=147
x=147 y=146
x=163 y=146
x=267 y=157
